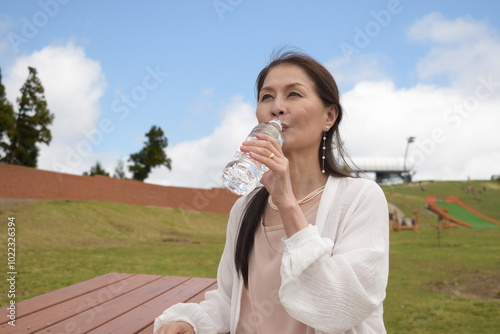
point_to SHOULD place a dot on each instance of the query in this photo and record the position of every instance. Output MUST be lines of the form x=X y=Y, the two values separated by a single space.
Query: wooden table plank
x=201 y=296
x=60 y=312
x=105 y=312
x=111 y=303
x=43 y=301
x=143 y=315
x=195 y=299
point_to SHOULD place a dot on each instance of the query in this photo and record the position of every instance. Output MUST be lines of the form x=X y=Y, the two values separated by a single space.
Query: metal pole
x=409 y=140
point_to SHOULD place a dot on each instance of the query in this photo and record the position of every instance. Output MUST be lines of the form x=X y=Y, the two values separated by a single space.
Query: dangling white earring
x=324 y=151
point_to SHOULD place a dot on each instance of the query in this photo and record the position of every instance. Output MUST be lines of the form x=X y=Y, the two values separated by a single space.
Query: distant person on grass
x=308 y=251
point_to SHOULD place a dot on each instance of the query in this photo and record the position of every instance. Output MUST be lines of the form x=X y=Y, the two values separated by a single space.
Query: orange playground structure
x=399 y=222
x=455 y=211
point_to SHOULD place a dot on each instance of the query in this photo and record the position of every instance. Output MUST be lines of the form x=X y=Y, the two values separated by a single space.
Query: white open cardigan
x=333 y=274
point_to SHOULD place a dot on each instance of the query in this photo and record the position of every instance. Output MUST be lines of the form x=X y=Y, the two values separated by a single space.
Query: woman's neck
x=306 y=176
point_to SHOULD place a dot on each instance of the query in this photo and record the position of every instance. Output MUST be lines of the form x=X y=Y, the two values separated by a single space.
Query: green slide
x=455 y=210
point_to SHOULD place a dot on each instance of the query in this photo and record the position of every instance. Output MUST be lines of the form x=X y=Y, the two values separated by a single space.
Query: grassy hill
x=411 y=196
x=440 y=281
x=59 y=243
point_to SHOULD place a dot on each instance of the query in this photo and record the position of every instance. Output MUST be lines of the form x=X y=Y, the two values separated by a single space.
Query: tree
x=96 y=170
x=120 y=170
x=31 y=124
x=7 y=120
x=152 y=155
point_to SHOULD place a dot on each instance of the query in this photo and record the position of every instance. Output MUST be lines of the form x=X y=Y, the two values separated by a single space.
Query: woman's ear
x=331 y=116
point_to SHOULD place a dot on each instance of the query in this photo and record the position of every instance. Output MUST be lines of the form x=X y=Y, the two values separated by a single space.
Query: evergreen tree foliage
x=96 y=170
x=120 y=170
x=31 y=125
x=7 y=120
x=151 y=155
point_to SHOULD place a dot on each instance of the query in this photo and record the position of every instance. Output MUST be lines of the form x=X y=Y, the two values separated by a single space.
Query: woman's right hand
x=180 y=327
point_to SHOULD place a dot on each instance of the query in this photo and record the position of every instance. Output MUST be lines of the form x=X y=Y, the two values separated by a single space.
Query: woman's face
x=289 y=95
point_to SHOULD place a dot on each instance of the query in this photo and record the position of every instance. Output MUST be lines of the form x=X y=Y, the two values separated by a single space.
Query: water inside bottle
x=243 y=173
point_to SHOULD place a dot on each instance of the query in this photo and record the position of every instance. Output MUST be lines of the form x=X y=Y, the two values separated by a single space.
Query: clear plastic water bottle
x=243 y=173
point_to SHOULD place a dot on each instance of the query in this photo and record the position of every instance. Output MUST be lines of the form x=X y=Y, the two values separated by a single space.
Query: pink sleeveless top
x=261 y=310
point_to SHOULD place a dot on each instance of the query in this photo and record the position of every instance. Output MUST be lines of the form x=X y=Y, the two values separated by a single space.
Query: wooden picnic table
x=112 y=303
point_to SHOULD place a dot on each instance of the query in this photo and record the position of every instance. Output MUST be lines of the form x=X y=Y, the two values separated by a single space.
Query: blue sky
x=112 y=69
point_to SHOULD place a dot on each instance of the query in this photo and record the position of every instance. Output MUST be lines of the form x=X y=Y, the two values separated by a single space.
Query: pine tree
x=31 y=124
x=96 y=170
x=7 y=120
x=120 y=170
x=152 y=155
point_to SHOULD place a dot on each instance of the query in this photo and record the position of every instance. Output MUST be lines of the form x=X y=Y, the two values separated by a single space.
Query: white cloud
x=462 y=50
x=380 y=117
x=436 y=29
x=73 y=86
x=199 y=163
x=363 y=67
x=456 y=125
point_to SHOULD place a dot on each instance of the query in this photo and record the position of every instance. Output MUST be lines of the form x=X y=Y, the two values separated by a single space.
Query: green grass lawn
x=425 y=292
x=59 y=243
x=439 y=282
